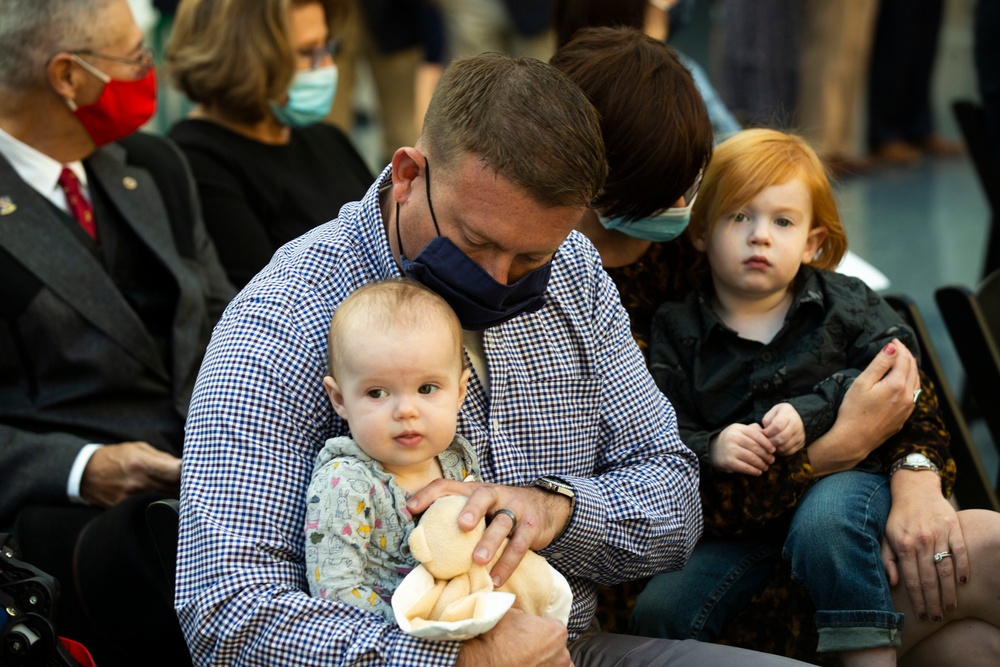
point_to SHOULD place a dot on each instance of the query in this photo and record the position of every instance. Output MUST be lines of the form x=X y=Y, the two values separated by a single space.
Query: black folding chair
x=163 y=519
x=973 y=320
x=972 y=122
x=973 y=488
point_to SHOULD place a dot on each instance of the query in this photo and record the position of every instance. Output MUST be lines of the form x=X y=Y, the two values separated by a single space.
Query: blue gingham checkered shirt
x=570 y=397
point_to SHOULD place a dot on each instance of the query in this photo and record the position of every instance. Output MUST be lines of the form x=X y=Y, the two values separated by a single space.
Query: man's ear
x=63 y=75
x=336 y=396
x=407 y=164
x=816 y=237
x=698 y=241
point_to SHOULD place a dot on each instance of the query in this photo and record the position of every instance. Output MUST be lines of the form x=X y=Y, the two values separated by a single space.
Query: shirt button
x=766 y=356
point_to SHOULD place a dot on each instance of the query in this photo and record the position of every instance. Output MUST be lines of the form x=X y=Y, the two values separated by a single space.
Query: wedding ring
x=513 y=519
x=916 y=394
x=941 y=555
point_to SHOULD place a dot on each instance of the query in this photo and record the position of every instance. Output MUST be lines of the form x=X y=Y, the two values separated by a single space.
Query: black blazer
x=77 y=364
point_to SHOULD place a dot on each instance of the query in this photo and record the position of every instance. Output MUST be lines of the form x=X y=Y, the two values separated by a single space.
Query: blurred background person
x=901 y=123
x=263 y=77
x=387 y=36
x=657 y=18
x=518 y=27
x=836 y=44
x=760 y=60
x=110 y=289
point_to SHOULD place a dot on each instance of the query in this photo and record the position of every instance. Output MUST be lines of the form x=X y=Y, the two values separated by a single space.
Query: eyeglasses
x=693 y=190
x=144 y=61
x=317 y=57
x=689 y=194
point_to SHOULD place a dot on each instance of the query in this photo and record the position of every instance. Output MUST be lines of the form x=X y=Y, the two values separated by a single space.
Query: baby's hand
x=783 y=427
x=741 y=448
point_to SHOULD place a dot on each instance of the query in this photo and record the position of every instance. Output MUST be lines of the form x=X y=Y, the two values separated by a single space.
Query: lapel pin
x=129 y=183
x=6 y=205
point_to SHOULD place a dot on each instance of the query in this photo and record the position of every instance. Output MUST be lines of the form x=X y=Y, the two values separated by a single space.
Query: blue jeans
x=833 y=545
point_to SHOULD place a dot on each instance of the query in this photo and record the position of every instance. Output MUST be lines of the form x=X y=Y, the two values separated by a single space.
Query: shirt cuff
x=76 y=473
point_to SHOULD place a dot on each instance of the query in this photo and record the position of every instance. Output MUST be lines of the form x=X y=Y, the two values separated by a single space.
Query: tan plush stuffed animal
x=461 y=587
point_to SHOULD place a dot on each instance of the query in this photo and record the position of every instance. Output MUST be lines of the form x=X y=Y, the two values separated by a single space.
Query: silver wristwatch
x=556 y=485
x=913 y=462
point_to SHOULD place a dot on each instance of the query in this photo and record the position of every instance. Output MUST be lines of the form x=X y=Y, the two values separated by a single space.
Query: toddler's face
x=400 y=392
x=756 y=250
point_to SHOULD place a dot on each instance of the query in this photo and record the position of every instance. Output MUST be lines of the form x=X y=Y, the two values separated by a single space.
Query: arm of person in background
x=921 y=521
x=38 y=469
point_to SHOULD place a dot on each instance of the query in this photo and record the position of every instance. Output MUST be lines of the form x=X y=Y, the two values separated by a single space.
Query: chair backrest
x=972 y=122
x=163 y=518
x=973 y=320
x=973 y=488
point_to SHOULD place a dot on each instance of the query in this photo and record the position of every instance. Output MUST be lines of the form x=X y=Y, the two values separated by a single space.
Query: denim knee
x=697 y=602
x=834 y=545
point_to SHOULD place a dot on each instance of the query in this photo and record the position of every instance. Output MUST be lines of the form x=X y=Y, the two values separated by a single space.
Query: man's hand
x=875 y=407
x=541 y=518
x=518 y=640
x=784 y=428
x=741 y=448
x=116 y=472
x=922 y=523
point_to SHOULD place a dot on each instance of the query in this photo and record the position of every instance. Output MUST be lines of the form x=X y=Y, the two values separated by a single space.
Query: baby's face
x=400 y=391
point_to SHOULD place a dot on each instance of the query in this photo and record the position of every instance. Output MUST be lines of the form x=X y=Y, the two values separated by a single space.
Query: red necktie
x=79 y=207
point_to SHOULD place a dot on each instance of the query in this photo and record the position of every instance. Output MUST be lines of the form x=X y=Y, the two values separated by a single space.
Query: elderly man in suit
x=110 y=288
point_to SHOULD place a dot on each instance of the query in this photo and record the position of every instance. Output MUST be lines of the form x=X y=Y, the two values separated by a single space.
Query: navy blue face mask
x=479 y=301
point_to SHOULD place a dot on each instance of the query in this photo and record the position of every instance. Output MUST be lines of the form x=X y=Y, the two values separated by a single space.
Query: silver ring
x=513 y=518
x=916 y=397
x=941 y=555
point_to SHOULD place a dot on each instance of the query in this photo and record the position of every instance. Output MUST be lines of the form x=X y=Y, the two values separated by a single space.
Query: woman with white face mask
x=263 y=77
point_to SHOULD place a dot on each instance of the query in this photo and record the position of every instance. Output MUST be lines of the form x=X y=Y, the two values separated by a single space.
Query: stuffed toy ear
x=439 y=544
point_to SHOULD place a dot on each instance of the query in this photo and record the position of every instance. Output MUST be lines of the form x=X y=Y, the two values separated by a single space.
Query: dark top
x=101 y=343
x=256 y=197
x=652 y=280
x=713 y=378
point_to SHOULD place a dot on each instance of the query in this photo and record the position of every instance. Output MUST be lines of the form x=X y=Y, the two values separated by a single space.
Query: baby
x=398 y=378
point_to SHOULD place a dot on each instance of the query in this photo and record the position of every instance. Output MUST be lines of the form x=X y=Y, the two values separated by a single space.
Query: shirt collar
x=806 y=288
x=37 y=169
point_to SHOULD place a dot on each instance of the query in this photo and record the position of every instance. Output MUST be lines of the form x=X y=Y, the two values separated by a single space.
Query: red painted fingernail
x=890 y=349
x=963 y=579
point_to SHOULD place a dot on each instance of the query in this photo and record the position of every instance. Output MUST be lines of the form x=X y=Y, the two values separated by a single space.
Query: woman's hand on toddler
x=741 y=448
x=784 y=428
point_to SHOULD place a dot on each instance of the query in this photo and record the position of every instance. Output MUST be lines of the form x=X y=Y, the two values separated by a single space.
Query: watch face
x=917 y=460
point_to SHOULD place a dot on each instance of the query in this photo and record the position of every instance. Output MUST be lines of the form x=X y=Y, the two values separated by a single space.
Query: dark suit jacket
x=77 y=364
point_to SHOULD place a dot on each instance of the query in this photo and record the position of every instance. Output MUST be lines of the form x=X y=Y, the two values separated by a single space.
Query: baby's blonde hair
x=398 y=303
x=751 y=161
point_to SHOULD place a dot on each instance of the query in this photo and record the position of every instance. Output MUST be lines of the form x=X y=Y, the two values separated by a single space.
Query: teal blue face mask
x=309 y=97
x=664 y=226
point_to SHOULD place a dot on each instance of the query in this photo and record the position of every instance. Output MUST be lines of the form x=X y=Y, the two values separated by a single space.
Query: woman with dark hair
x=655 y=152
x=262 y=75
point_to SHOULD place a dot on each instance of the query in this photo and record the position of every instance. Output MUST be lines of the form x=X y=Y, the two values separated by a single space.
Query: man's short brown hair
x=525 y=120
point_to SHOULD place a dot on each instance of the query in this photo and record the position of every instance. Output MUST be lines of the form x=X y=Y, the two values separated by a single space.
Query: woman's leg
x=970 y=635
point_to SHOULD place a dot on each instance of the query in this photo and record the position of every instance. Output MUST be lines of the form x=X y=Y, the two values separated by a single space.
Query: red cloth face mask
x=121 y=109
